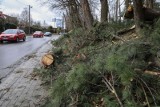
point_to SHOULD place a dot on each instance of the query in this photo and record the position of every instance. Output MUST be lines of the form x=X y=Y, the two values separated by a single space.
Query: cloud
x=158 y=0
x=38 y=12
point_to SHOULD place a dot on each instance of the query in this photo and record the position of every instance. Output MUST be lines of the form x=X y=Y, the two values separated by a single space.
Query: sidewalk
x=22 y=88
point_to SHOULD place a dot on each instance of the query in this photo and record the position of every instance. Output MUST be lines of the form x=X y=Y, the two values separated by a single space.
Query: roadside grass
x=92 y=69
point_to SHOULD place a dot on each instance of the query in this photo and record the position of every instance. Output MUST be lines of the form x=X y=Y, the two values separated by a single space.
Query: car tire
x=24 y=39
x=17 y=39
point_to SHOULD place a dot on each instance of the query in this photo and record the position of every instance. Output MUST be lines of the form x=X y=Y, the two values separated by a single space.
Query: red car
x=38 y=34
x=12 y=35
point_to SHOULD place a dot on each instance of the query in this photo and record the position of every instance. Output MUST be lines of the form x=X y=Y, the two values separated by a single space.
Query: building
x=8 y=19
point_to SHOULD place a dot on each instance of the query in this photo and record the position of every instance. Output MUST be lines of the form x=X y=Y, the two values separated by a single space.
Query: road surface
x=10 y=53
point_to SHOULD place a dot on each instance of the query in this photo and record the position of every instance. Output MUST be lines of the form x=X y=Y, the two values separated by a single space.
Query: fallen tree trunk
x=149 y=14
x=121 y=32
x=155 y=73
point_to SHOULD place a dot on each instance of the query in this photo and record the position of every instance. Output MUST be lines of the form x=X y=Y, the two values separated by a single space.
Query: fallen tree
x=149 y=14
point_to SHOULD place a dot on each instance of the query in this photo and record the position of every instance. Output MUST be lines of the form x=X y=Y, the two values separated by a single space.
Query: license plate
x=4 y=38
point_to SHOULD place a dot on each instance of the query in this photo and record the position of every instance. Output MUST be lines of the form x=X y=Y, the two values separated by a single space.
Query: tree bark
x=119 y=9
x=74 y=14
x=87 y=14
x=138 y=14
x=104 y=10
x=116 y=10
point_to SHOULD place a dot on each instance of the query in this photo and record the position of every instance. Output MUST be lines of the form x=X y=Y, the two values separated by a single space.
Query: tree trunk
x=74 y=14
x=87 y=13
x=116 y=7
x=68 y=23
x=138 y=14
x=104 y=10
x=119 y=6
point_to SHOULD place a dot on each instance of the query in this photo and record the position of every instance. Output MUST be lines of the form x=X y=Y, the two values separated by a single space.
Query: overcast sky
x=38 y=12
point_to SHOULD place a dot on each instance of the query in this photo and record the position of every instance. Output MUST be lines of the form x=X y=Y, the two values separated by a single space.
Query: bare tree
x=94 y=6
x=138 y=14
x=24 y=17
x=88 y=21
x=78 y=13
x=73 y=11
x=116 y=11
x=111 y=12
x=119 y=9
x=104 y=10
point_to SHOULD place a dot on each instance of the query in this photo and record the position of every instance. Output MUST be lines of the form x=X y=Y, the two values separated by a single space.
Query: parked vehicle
x=62 y=33
x=38 y=34
x=12 y=35
x=47 y=34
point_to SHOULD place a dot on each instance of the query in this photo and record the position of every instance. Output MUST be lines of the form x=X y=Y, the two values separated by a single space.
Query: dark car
x=47 y=34
x=12 y=35
x=38 y=34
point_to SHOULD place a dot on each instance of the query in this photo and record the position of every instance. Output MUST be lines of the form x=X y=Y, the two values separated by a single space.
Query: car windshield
x=37 y=32
x=10 y=31
x=21 y=31
x=47 y=33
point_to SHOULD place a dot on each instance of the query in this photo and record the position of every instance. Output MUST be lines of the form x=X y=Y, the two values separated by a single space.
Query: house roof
x=4 y=16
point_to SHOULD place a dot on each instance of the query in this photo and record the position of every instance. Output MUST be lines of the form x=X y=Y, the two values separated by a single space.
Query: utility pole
x=29 y=19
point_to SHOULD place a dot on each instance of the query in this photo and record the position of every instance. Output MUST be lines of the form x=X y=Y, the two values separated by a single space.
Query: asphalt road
x=10 y=53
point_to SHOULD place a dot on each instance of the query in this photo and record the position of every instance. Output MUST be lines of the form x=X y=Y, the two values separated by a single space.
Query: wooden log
x=154 y=73
x=121 y=32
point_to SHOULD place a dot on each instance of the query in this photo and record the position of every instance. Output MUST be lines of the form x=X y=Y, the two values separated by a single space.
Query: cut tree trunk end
x=47 y=59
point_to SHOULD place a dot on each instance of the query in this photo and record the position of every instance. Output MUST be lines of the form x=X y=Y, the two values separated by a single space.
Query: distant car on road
x=62 y=33
x=38 y=34
x=12 y=35
x=47 y=34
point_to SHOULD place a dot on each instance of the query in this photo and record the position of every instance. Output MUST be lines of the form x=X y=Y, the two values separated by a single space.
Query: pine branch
x=145 y=95
x=149 y=90
x=112 y=89
x=74 y=100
